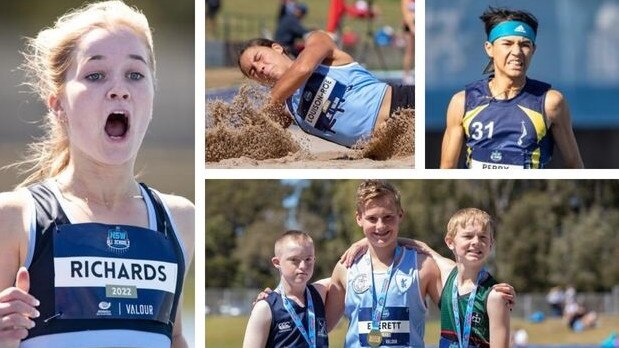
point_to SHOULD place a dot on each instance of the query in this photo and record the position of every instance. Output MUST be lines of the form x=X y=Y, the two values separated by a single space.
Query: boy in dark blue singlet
x=509 y=121
x=294 y=314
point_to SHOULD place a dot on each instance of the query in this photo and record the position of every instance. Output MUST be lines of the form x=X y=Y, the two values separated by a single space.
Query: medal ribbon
x=311 y=316
x=379 y=304
x=463 y=336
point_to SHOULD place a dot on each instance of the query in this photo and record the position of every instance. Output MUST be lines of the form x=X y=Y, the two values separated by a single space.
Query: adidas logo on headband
x=520 y=29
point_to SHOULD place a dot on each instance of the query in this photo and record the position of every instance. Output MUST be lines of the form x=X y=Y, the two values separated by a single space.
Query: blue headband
x=511 y=28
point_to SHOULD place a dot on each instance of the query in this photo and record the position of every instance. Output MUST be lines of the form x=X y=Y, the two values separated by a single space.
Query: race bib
x=394 y=326
x=113 y=272
x=320 y=100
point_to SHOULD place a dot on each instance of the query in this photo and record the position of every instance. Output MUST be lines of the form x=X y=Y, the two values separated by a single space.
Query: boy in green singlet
x=473 y=314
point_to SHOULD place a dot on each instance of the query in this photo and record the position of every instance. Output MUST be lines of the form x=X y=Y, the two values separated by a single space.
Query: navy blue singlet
x=506 y=134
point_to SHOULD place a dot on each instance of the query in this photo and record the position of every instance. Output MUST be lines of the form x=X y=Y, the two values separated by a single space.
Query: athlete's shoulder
x=180 y=207
x=175 y=202
x=13 y=204
x=322 y=286
x=427 y=265
x=554 y=97
x=183 y=213
x=456 y=104
x=14 y=213
x=15 y=198
x=339 y=276
x=495 y=298
x=555 y=105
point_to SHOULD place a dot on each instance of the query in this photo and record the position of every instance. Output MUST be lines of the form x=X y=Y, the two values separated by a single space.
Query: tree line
x=548 y=232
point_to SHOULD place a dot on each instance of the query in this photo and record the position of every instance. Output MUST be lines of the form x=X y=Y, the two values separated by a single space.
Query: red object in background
x=299 y=46
x=350 y=38
x=337 y=9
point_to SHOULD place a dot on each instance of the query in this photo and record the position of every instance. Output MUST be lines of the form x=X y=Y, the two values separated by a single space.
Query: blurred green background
x=549 y=232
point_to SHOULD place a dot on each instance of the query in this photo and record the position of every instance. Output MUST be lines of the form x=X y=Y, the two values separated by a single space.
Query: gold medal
x=375 y=338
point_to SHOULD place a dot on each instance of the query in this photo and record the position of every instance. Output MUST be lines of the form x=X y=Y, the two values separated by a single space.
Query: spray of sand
x=242 y=129
x=395 y=138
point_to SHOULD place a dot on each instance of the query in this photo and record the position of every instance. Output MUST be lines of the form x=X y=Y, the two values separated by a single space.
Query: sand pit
x=238 y=135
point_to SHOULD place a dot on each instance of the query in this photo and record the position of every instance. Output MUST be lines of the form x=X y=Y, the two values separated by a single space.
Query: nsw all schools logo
x=118 y=239
x=496 y=156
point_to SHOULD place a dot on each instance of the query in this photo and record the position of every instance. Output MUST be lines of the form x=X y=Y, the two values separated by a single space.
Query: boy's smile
x=471 y=243
x=380 y=220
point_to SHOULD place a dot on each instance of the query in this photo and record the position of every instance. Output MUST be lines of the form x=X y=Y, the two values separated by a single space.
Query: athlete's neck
x=467 y=277
x=503 y=87
x=382 y=257
x=105 y=188
x=295 y=292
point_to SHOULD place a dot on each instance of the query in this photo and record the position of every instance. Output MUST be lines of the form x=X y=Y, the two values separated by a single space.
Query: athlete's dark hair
x=253 y=43
x=495 y=15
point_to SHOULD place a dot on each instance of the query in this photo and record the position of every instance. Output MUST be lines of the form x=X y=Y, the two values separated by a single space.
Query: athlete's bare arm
x=183 y=213
x=17 y=307
x=334 y=306
x=430 y=277
x=319 y=48
x=558 y=114
x=498 y=315
x=454 y=134
x=13 y=230
x=257 y=331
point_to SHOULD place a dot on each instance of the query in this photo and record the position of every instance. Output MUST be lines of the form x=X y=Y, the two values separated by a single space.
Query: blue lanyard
x=378 y=305
x=463 y=337
x=311 y=320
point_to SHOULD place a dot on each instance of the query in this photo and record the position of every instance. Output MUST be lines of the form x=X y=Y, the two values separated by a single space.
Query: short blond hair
x=48 y=57
x=466 y=216
x=293 y=235
x=373 y=189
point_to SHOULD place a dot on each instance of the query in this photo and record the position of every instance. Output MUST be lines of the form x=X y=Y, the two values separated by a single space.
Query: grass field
x=227 y=332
